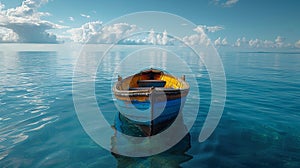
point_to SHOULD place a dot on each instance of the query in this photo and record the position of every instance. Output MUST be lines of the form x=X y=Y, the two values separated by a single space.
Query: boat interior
x=152 y=78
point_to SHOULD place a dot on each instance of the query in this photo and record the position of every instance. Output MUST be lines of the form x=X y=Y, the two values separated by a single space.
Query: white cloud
x=217 y=41
x=200 y=37
x=278 y=42
x=268 y=44
x=155 y=38
x=84 y=15
x=95 y=32
x=85 y=32
x=149 y=38
x=297 y=44
x=2 y=6
x=152 y=37
x=255 y=43
x=230 y=3
x=239 y=42
x=221 y=42
x=115 y=32
x=225 y=3
x=122 y=33
x=209 y=29
x=8 y=36
x=71 y=18
x=197 y=39
x=26 y=22
x=224 y=42
x=164 y=39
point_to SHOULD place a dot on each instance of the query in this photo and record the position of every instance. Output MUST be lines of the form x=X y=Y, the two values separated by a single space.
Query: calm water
x=259 y=127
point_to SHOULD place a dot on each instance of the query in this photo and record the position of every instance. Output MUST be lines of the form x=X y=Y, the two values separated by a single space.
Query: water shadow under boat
x=172 y=157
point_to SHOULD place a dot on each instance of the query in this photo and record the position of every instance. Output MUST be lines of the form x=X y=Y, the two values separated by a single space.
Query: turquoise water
x=259 y=127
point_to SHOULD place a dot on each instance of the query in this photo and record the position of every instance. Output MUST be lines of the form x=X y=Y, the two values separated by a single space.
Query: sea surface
x=259 y=127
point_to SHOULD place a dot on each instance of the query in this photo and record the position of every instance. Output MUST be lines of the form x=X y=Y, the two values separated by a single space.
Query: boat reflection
x=172 y=157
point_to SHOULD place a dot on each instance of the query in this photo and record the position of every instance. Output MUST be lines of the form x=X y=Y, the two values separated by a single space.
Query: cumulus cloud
x=85 y=16
x=26 y=22
x=221 y=42
x=255 y=43
x=149 y=38
x=197 y=39
x=115 y=32
x=218 y=41
x=297 y=44
x=225 y=3
x=8 y=36
x=224 y=41
x=200 y=37
x=209 y=29
x=95 y=32
x=152 y=37
x=85 y=32
x=71 y=19
x=268 y=44
x=240 y=42
x=121 y=33
x=230 y=3
x=164 y=39
x=156 y=38
x=278 y=42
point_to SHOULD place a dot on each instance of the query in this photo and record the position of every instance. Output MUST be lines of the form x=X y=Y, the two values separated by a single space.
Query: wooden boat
x=150 y=97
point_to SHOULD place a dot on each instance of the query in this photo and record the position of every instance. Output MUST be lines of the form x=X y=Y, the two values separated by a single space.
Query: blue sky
x=256 y=22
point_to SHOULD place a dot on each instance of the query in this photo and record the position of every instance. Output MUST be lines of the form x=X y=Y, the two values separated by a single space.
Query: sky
x=227 y=23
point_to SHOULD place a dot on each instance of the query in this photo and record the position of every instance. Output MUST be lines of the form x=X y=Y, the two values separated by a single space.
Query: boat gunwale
x=149 y=91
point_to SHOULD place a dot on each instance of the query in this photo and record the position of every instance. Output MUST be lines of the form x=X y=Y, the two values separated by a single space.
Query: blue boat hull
x=150 y=98
x=150 y=113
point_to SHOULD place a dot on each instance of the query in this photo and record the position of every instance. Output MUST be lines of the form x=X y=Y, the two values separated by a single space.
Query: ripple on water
x=14 y=132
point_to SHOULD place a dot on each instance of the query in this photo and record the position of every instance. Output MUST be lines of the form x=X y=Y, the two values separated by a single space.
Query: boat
x=150 y=97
